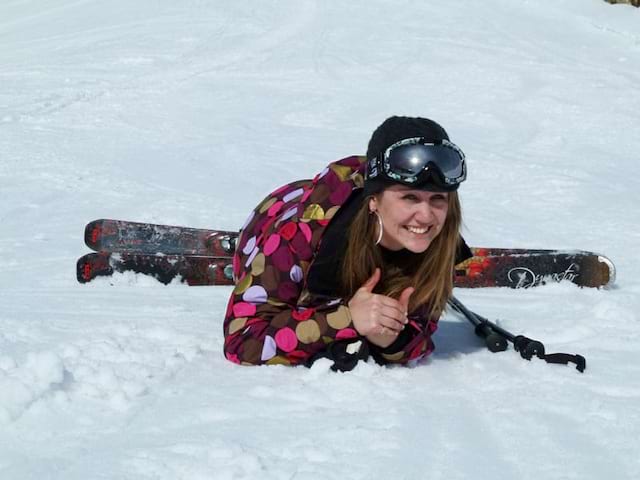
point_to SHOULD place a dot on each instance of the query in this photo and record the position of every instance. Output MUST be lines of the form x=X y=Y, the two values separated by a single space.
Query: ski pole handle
x=528 y=348
x=494 y=340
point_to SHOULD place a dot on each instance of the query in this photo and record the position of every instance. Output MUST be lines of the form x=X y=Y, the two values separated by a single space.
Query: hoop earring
x=380 y=227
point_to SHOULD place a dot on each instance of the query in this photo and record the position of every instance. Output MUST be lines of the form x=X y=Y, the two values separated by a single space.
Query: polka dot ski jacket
x=271 y=317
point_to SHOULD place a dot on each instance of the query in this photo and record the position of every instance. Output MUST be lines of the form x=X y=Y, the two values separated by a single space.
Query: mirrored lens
x=448 y=160
x=411 y=160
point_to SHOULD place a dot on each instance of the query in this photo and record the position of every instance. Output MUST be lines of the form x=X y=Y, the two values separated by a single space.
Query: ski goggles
x=413 y=161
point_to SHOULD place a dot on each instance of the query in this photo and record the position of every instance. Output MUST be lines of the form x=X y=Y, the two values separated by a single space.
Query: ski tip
x=91 y=234
x=612 y=270
x=84 y=271
x=92 y=265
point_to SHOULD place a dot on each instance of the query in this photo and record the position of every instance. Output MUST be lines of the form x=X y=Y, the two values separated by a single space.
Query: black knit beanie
x=393 y=130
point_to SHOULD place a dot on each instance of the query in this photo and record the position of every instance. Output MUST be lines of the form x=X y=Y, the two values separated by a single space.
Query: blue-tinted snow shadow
x=453 y=337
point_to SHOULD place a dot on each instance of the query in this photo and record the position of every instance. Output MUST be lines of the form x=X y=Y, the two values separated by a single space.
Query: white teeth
x=418 y=230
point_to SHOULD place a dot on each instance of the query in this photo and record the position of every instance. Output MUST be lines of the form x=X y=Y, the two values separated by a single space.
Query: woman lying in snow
x=356 y=262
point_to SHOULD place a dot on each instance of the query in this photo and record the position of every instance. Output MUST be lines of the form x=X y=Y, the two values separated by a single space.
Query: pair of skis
x=195 y=256
x=204 y=257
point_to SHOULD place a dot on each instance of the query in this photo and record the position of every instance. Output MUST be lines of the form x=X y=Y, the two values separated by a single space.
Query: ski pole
x=495 y=341
x=527 y=347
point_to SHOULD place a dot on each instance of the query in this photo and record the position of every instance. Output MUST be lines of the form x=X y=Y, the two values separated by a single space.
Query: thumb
x=404 y=298
x=370 y=284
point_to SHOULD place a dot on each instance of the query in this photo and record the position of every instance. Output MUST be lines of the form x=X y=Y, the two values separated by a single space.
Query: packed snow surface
x=189 y=112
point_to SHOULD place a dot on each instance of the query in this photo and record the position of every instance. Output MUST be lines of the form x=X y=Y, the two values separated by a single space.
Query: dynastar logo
x=525 y=277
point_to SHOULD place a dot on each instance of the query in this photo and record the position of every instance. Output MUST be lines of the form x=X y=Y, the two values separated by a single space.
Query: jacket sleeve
x=413 y=343
x=271 y=318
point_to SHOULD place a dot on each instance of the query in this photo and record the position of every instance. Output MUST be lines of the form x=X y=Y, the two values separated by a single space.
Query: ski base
x=189 y=269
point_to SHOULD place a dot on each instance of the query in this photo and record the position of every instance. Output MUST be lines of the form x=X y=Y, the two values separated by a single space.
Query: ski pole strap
x=566 y=359
x=529 y=348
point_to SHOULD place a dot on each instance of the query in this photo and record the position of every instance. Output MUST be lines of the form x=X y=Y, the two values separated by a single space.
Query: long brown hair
x=432 y=277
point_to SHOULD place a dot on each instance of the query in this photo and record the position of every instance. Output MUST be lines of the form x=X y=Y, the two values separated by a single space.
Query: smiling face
x=411 y=218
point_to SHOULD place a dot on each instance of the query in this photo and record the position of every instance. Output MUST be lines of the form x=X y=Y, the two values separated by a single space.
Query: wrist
x=382 y=341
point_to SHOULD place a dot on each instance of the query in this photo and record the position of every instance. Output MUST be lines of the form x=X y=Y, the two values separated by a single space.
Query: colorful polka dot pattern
x=271 y=317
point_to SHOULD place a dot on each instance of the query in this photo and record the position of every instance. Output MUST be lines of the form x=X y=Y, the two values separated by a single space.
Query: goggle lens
x=412 y=159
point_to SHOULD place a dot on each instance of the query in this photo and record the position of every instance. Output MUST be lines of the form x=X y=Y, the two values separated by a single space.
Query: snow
x=189 y=112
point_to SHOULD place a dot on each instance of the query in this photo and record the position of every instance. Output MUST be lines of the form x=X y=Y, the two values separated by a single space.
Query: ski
x=107 y=235
x=487 y=268
x=190 y=269
x=522 y=268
